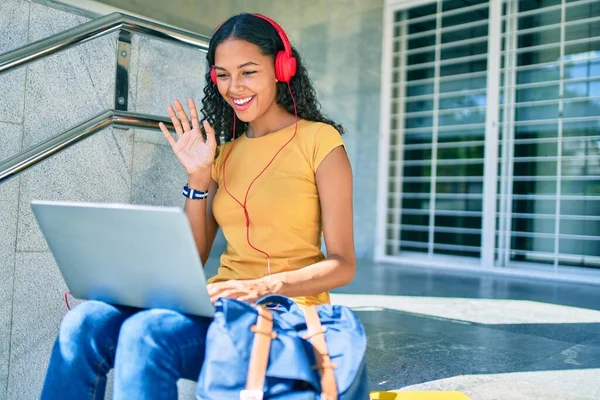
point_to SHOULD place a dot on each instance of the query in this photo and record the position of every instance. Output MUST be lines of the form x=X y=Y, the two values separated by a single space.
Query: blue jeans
x=150 y=350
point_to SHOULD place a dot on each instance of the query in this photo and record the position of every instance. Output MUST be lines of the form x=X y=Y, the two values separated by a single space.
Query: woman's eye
x=249 y=72
x=221 y=75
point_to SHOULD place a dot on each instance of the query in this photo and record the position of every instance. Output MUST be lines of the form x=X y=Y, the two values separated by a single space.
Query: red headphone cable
x=244 y=205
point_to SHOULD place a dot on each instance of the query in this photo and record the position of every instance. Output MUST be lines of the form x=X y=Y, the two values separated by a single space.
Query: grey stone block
x=12 y=87
x=38 y=310
x=411 y=349
x=8 y=220
x=69 y=87
x=349 y=8
x=286 y=13
x=167 y=72
x=313 y=46
x=97 y=169
x=151 y=136
x=9 y=200
x=11 y=136
x=134 y=64
x=576 y=330
x=595 y=341
x=47 y=21
x=187 y=389
x=158 y=177
x=370 y=43
x=366 y=163
x=344 y=113
x=343 y=66
x=344 y=54
x=309 y=13
x=578 y=356
x=14 y=26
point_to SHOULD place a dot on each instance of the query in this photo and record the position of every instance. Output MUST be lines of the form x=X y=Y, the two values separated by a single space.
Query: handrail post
x=122 y=73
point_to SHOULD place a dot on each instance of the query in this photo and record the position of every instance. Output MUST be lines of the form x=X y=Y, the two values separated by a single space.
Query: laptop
x=130 y=255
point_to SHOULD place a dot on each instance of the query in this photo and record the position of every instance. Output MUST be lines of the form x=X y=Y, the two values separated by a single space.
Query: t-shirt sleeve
x=326 y=139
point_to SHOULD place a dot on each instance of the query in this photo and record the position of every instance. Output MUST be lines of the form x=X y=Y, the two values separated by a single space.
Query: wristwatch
x=194 y=194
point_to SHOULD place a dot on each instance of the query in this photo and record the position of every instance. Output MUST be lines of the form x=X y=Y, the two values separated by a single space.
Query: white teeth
x=241 y=102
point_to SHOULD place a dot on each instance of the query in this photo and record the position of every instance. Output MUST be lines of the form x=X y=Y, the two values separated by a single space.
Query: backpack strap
x=316 y=335
x=259 y=357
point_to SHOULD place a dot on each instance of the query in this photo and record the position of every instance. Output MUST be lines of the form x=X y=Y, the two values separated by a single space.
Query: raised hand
x=193 y=152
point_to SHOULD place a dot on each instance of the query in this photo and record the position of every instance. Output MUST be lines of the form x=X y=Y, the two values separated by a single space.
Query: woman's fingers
x=226 y=294
x=216 y=288
x=194 y=114
x=183 y=116
x=175 y=121
x=222 y=289
x=167 y=134
x=210 y=134
x=247 y=298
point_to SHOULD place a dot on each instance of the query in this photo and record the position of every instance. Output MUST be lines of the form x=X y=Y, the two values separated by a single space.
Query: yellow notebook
x=418 y=396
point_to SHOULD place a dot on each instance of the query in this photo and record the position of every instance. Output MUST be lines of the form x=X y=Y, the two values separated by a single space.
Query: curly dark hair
x=256 y=30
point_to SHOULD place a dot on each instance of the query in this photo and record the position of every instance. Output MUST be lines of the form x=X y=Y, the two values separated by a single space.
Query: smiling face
x=246 y=78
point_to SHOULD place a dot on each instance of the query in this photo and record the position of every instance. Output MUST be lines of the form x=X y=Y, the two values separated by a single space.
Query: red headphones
x=285 y=62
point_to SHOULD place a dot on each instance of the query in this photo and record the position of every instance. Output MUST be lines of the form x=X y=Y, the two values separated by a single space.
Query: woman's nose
x=235 y=84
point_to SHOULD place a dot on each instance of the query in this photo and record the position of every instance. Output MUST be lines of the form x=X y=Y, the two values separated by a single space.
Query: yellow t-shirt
x=283 y=203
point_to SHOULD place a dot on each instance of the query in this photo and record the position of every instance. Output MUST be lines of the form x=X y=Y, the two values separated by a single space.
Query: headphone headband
x=286 y=42
x=280 y=31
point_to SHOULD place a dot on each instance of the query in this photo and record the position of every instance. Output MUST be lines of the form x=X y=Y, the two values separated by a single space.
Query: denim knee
x=147 y=328
x=88 y=323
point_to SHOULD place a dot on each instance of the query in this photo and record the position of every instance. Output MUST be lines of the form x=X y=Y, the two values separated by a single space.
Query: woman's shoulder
x=314 y=132
x=318 y=127
x=318 y=140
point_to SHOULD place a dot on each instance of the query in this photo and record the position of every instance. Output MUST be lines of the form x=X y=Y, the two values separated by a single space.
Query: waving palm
x=193 y=151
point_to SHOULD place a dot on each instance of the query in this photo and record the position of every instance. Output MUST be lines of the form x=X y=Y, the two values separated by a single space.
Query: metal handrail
x=94 y=29
x=115 y=22
x=119 y=119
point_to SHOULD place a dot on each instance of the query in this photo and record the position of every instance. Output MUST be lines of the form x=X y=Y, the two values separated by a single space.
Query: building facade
x=490 y=125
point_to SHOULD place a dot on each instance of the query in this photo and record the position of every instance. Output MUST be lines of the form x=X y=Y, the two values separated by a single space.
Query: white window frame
x=487 y=261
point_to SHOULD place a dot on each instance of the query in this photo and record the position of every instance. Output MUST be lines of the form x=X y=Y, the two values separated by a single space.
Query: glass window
x=549 y=130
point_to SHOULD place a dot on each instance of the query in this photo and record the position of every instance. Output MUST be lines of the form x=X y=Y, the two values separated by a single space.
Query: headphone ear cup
x=285 y=67
x=213 y=75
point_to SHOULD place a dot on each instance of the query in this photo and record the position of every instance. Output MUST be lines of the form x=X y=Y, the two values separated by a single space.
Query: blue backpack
x=275 y=350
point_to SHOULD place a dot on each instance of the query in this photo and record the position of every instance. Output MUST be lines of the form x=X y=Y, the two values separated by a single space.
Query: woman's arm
x=196 y=153
x=199 y=212
x=334 y=184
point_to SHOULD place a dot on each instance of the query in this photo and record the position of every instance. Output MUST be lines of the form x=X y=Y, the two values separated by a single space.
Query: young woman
x=280 y=181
